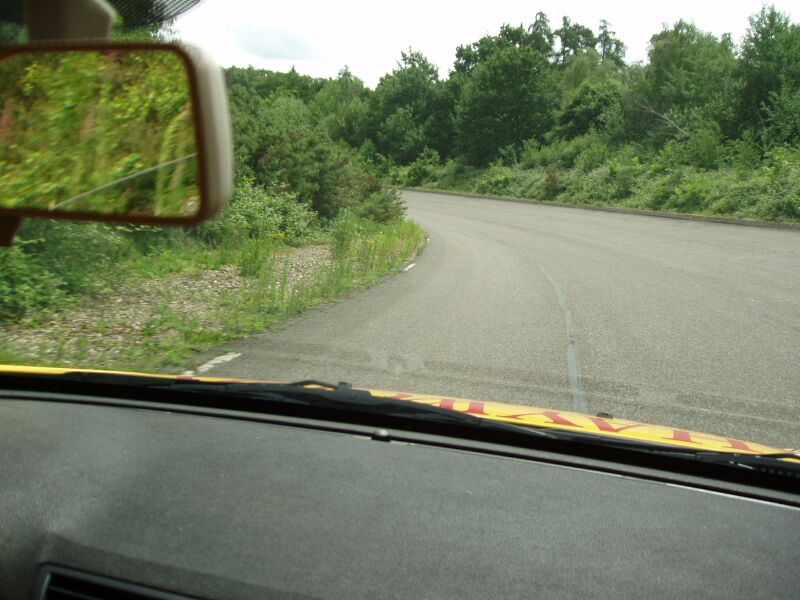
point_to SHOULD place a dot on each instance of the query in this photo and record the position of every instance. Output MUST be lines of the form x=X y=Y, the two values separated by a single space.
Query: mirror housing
x=209 y=118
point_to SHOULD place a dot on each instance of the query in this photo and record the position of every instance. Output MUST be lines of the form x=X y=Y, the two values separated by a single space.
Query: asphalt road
x=683 y=323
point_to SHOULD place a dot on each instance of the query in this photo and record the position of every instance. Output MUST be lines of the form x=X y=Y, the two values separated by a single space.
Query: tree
x=588 y=108
x=769 y=69
x=675 y=89
x=341 y=107
x=505 y=101
x=573 y=39
x=609 y=46
x=405 y=107
x=537 y=37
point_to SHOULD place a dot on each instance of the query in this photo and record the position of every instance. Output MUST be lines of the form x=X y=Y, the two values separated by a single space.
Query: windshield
x=584 y=208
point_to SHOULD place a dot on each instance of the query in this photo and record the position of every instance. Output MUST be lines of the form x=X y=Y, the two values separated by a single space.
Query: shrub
x=657 y=191
x=422 y=169
x=552 y=185
x=364 y=194
x=24 y=284
x=737 y=196
x=496 y=180
x=565 y=152
x=258 y=212
x=382 y=206
x=63 y=248
x=622 y=177
x=592 y=187
x=702 y=148
x=693 y=195
x=594 y=154
x=743 y=154
x=778 y=208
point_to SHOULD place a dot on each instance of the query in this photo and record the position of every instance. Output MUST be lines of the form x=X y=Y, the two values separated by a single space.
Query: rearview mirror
x=135 y=133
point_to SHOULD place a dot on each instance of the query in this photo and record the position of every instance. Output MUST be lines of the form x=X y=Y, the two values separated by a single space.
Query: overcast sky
x=319 y=37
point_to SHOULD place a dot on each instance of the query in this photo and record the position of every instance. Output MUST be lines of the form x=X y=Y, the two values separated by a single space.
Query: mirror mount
x=8 y=229
x=60 y=20
x=68 y=19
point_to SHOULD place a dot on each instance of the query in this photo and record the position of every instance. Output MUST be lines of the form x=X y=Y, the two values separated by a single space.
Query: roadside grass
x=362 y=253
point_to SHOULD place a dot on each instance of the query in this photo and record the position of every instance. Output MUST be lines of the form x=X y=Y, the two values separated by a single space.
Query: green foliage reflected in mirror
x=107 y=132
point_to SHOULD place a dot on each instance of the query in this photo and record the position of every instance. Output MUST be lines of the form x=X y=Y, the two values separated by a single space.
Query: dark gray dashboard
x=222 y=508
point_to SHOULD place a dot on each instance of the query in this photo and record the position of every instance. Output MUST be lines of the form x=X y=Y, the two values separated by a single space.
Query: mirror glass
x=107 y=132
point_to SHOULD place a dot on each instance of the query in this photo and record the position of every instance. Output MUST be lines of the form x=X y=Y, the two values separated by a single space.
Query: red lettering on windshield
x=604 y=425
x=474 y=407
x=679 y=435
x=555 y=418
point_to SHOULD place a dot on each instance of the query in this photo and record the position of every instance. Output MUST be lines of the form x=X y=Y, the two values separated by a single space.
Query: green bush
x=693 y=195
x=552 y=185
x=592 y=155
x=422 y=169
x=592 y=187
x=362 y=193
x=622 y=176
x=495 y=180
x=565 y=152
x=743 y=154
x=526 y=183
x=702 y=148
x=778 y=208
x=65 y=249
x=258 y=212
x=24 y=284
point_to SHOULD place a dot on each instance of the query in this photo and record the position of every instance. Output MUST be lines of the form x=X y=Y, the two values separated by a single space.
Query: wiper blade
x=752 y=461
x=771 y=462
x=316 y=394
x=340 y=400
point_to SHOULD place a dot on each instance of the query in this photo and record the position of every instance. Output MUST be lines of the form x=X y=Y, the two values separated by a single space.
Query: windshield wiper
x=316 y=394
x=768 y=462
x=310 y=396
x=751 y=461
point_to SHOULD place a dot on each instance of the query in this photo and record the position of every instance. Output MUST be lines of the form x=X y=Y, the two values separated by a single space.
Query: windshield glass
x=583 y=208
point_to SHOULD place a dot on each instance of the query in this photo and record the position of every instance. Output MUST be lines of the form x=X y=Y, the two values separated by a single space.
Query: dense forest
x=552 y=113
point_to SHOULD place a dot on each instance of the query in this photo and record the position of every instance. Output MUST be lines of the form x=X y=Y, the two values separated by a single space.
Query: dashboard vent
x=59 y=583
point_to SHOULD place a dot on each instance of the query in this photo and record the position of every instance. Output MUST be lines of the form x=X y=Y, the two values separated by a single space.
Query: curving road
x=684 y=323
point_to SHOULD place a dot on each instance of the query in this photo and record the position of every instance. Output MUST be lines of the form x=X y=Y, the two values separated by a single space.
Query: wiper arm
x=753 y=461
x=316 y=394
x=769 y=462
x=340 y=400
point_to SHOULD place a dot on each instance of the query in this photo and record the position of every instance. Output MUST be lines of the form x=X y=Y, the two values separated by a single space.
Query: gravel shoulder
x=99 y=329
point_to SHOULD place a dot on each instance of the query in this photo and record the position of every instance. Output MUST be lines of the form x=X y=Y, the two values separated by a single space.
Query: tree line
x=556 y=112
x=543 y=83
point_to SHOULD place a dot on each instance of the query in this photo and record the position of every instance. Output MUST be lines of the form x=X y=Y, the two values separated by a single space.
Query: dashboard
x=174 y=504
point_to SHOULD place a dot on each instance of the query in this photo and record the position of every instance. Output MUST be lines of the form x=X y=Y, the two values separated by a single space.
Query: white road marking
x=409 y=267
x=573 y=360
x=223 y=358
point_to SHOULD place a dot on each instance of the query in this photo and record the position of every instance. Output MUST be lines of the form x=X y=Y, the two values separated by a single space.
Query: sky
x=319 y=38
